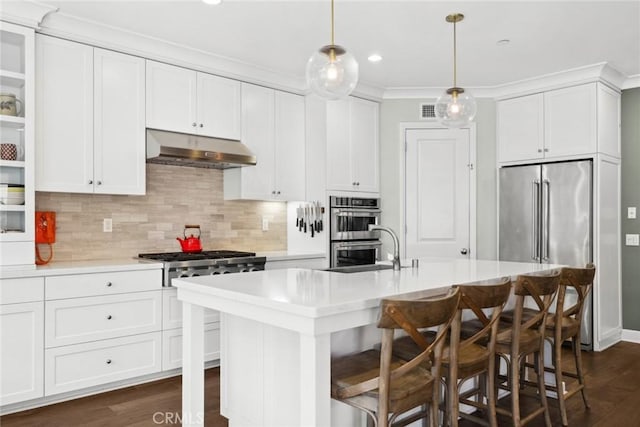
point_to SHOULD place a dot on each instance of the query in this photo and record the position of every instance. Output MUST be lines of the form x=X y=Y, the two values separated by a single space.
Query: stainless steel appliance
x=351 y=241
x=182 y=264
x=546 y=217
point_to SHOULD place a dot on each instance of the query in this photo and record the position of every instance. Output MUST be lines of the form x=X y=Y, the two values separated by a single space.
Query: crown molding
x=432 y=92
x=631 y=82
x=69 y=27
x=26 y=13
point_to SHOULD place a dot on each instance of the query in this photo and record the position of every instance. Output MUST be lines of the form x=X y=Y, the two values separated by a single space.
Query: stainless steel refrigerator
x=546 y=216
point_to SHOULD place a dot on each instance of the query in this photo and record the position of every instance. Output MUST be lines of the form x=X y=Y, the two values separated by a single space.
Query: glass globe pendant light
x=455 y=108
x=332 y=72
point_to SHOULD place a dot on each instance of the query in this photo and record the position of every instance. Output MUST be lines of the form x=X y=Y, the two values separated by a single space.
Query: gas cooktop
x=185 y=256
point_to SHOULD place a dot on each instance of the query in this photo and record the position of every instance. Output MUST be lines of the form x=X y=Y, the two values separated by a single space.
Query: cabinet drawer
x=86 y=285
x=26 y=289
x=172 y=311
x=172 y=346
x=85 y=365
x=73 y=321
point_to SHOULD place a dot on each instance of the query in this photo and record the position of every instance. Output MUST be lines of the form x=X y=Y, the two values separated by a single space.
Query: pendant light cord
x=455 y=55
x=332 y=29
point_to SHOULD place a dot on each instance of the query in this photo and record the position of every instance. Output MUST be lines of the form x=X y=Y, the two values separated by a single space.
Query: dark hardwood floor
x=612 y=376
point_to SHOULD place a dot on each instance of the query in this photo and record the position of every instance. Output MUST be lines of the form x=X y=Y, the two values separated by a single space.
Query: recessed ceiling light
x=214 y=2
x=374 y=58
x=503 y=42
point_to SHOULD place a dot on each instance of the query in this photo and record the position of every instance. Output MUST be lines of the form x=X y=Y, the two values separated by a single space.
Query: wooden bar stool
x=384 y=386
x=565 y=324
x=521 y=336
x=472 y=357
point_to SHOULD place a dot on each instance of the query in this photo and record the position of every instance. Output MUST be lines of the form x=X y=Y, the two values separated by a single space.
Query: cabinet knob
x=201 y=125
x=90 y=181
x=108 y=361
x=353 y=183
x=464 y=251
x=277 y=192
x=546 y=150
x=357 y=183
x=99 y=182
x=109 y=317
x=273 y=192
x=194 y=124
x=109 y=284
x=539 y=150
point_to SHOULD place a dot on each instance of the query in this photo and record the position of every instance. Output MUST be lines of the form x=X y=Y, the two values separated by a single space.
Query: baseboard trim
x=631 y=336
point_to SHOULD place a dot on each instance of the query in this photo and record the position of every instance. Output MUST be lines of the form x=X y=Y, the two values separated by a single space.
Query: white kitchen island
x=279 y=329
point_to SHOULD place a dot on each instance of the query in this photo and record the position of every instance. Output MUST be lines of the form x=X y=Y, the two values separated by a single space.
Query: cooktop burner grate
x=184 y=256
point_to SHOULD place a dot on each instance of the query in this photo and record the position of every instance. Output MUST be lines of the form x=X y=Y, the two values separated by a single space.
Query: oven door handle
x=357 y=245
x=357 y=212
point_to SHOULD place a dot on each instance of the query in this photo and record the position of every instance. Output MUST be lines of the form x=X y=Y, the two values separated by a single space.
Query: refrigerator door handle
x=546 y=201
x=535 y=242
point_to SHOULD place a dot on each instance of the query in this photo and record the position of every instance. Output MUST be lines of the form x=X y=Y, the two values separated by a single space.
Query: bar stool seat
x=384 y=386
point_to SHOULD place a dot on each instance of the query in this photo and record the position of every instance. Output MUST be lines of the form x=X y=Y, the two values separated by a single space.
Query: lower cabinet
x=172 y=346
x=89 y=364
x=21 y=352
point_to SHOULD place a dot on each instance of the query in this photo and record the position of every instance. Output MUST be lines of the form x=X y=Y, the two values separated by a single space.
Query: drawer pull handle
x=109 y=284
x=108 y=361
x=109 y=317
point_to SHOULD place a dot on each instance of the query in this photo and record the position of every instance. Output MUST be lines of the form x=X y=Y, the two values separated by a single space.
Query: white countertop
x=78 y=267
x=290 y=255
x=314 y=293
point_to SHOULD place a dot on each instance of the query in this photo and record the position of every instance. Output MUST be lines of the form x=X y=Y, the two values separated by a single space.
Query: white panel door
x=21 y=352
x=64 y=116
x=437 y=193
x=119 y=123
x=289 y=146
x=219 y=109
x=171 y=98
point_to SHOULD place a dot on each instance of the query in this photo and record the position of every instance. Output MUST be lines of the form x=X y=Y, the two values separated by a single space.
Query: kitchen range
x=205 y=263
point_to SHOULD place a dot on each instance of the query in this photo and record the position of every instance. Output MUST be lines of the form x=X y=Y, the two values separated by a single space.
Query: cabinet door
x=64 y=116
x=289 y=146
x=258 y=134
x=364 y=144
x=218 y=108
x=171 y=98
x=119 y=123
x=520 y=128
x=339 y=174
x=570 y=121
x=21 y=352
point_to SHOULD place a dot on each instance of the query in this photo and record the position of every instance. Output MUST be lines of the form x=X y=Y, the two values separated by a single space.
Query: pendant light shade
x=455 y=108
x=332 y=72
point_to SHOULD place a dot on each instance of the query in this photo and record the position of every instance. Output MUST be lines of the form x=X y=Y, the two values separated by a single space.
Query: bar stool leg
x=577 y=353
x=514 y=365
x=539 y=361
x=491 y=391
x=557 y=367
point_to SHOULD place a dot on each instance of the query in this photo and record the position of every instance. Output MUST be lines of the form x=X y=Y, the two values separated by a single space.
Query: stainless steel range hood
x=173 y=148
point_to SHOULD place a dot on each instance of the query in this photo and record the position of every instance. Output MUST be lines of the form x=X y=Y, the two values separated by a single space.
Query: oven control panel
x=354 y=202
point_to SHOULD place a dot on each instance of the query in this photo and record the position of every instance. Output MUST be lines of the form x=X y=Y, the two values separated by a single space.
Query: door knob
x=464 y=251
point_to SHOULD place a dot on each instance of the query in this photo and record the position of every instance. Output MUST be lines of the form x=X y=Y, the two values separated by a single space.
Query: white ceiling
x=412 y=36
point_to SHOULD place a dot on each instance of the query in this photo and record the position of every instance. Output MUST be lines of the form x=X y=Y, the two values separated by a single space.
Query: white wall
x=393 y=112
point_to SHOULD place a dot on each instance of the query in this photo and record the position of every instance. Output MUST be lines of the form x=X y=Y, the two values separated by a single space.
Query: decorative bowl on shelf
x=11 y=194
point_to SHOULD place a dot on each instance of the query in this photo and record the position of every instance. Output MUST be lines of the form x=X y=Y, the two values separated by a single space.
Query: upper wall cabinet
x=352 y=145
x=578 y=120
x=273 y=127
x=90 y=135
x=187 y=101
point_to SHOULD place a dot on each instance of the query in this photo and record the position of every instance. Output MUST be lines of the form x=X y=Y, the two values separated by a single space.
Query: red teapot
x=192 y=243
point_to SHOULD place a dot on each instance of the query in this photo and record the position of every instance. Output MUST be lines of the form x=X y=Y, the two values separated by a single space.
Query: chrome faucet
x=396 y=244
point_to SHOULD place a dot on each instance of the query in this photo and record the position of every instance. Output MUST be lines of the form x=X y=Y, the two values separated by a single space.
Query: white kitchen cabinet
x=90 y=124
x=172 y=346
x=273 y=127
x=17 y=78
x=21 y=340
x=572 y=121
x=89 y=364
x=353 y=145
x=188 y=101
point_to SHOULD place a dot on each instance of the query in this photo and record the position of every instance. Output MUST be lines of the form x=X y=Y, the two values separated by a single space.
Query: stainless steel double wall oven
x=350 y=239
